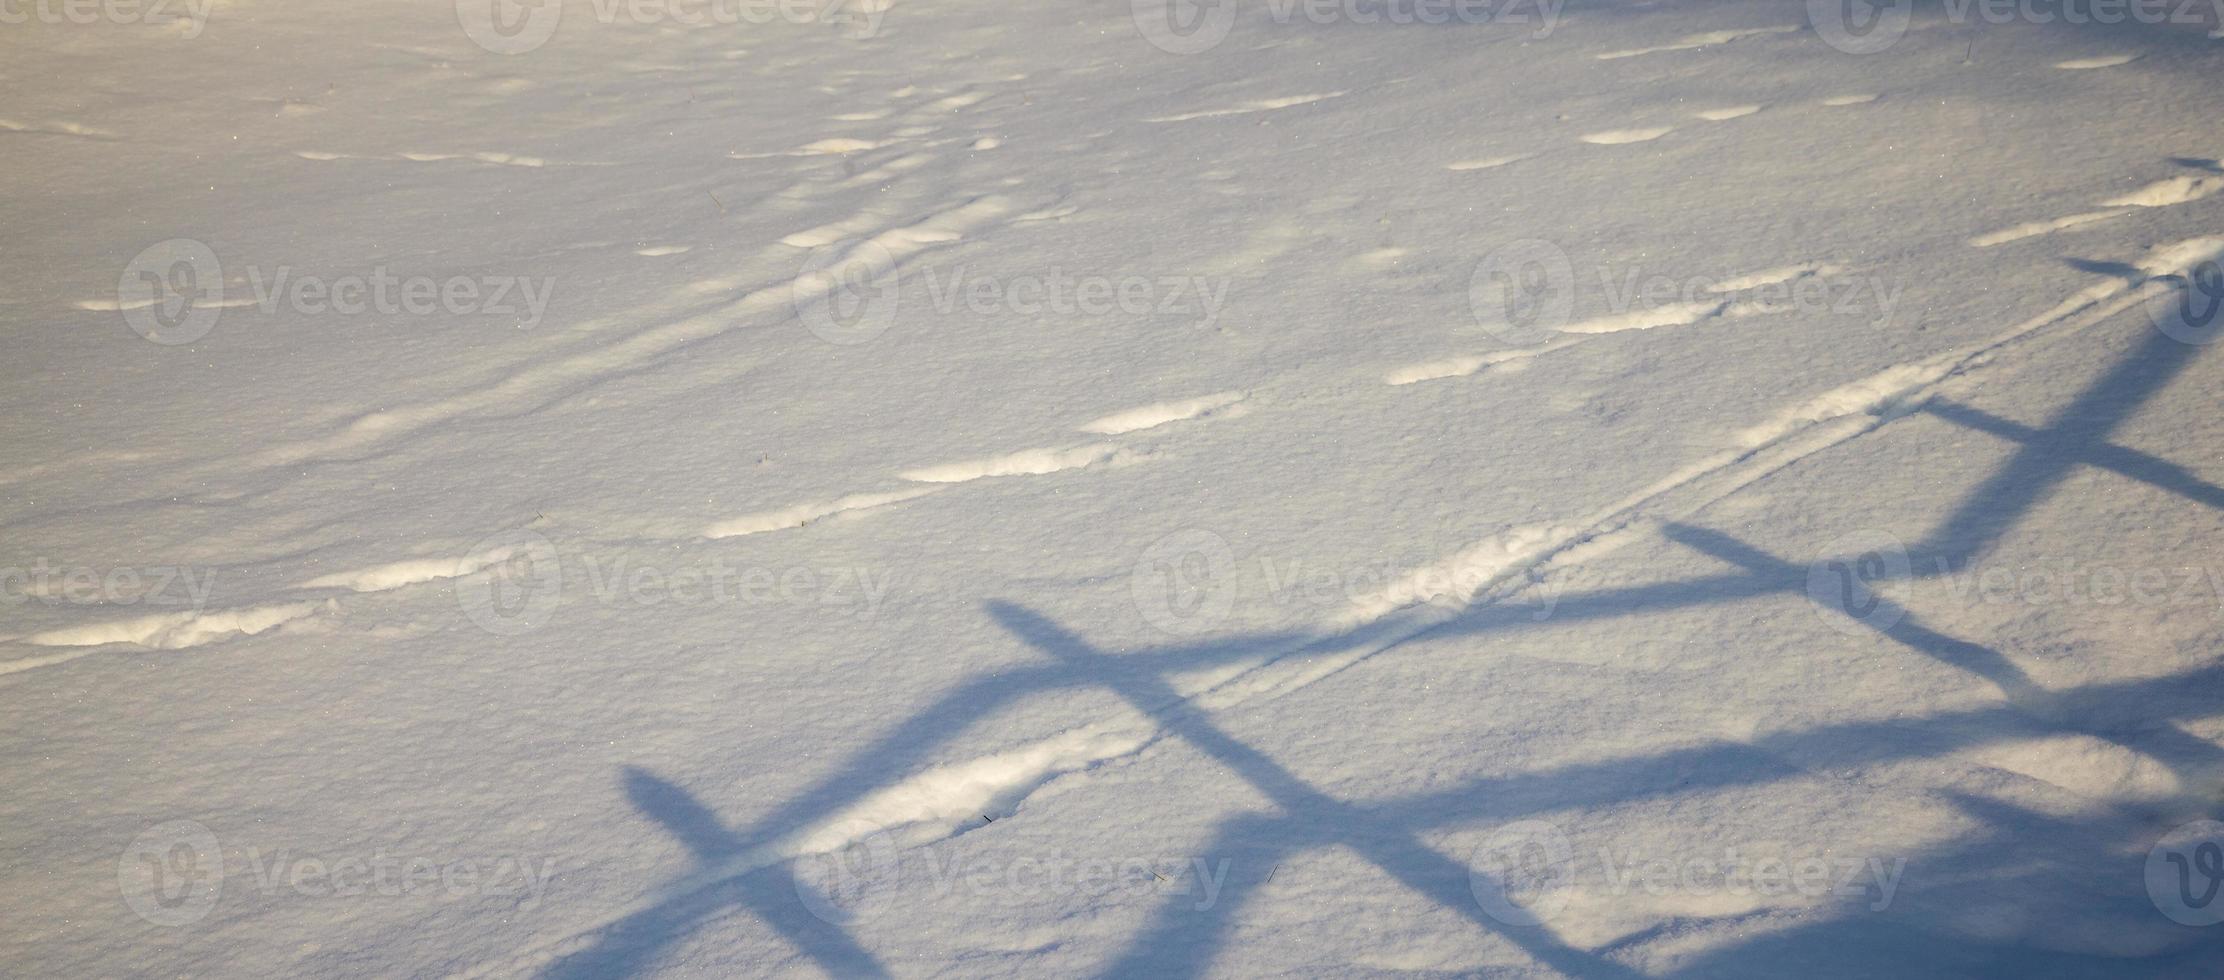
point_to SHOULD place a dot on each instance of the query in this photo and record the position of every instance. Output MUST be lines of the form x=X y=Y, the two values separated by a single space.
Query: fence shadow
x=2047 y=855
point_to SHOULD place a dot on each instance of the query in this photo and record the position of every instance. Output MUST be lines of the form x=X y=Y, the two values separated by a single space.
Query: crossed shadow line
x=1181 y=940
x=2019 y=850
x=631 y=944
x=2076 y=436
x=1390 y=848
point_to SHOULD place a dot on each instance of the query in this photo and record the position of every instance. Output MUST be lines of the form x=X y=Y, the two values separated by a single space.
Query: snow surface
x=963 y=488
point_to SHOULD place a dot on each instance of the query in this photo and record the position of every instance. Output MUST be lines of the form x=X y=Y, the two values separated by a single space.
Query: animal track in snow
x=1672 y=314
x=489 y=157
x=1033 y=462
x=1665 y=315
x=2033 y=229
x=955 y=102
x=1261 y=105
x=1851 y=98
x=681 y=324
x=1616 y=137
x=1772 y=276
x=1727 y=113
x=2103 y=61
x=1695 y=41
x=1029 y=462
x=121 y=306
x=831 y=146
x=803 y=514
x=169 y=631
x=834 y=231
x=1151 y=416
x=394 y=575
x=2162 y=193
x=1486 y=163
x=1460 y=367
x=57 y=128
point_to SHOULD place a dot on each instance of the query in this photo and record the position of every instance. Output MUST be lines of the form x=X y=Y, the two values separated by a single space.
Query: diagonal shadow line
x=2022 y=850
x=1178 y=940
x=2188 y=757
x=911 y=743
x=2075 y=436
x=2182 y=752
x=633 y=943
x=2152 y=470
x=2047 y=458
x=1408 y=860
x=2044 y=460
x=2191 y=695
x=624 y=946
x=1984 y=662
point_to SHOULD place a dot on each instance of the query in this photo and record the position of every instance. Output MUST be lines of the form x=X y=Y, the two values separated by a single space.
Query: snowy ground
x=995 y=489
